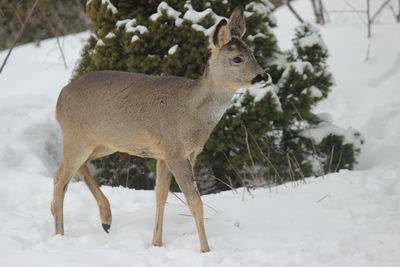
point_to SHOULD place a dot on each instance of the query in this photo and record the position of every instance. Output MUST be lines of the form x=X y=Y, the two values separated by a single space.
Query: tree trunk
x=398 y=14
x=318 y=9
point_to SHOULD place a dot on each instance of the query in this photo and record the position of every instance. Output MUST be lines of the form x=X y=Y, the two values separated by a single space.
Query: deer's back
x=116 y=106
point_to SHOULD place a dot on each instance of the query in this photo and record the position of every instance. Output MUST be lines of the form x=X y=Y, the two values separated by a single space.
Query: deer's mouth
x=261 y=78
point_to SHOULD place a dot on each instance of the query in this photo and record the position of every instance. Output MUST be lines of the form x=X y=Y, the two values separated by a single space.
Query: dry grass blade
x=331 y=159
x=184 y=203
x=265 y=157
x=299 y=167
x=340 y=159
x=225 y=183
x=248 y=149
x=312 y=140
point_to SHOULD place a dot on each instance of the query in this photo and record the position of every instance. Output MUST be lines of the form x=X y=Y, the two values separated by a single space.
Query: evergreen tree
x=269 y=135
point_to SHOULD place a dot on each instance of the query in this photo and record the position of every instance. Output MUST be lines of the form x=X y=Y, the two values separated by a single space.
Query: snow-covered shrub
x=268 y=135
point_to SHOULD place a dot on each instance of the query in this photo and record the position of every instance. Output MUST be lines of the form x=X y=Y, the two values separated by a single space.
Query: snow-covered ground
x=351 y=218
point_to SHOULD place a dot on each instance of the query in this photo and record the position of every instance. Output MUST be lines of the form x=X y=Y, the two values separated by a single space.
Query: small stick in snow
x=324 y=197
x=184 y=203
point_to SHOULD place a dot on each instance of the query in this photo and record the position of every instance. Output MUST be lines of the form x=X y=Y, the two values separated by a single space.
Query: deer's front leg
x=163 y=181
x=182 y=171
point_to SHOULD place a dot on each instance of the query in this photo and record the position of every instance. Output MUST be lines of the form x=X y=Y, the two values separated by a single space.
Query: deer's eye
x=237 y=59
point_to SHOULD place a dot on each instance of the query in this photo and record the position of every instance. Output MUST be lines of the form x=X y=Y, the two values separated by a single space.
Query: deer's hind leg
x=101 y=199
x=73 y=156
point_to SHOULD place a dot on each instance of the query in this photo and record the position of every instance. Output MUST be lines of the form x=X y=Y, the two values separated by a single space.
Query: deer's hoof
x=106 y=227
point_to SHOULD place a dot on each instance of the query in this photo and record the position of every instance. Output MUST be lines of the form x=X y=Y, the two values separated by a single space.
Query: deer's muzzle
x=264 y=78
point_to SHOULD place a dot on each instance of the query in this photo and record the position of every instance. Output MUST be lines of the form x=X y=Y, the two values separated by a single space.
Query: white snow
x=261 y=8
x=200 y=28
x=297 y=66
x=311 y=40
x=350 y=218
x=119 y=23
x=258 y=35
x=130 y=26
x=110 y=35
x=134 y=38
x=196 y=16
x=100 y=42
x=172 y=50
x=191 y=14
x=324 y=129
x=110 y=6
x=314 y=91
x=163 y=6
x=142 y=29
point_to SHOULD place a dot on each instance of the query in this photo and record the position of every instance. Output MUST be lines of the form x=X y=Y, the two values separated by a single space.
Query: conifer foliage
x=269 y=135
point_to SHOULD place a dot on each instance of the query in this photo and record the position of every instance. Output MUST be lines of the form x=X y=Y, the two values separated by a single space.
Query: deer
x=167 y=118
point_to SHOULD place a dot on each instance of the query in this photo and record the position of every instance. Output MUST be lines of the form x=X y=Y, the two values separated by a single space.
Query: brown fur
x=162 y=117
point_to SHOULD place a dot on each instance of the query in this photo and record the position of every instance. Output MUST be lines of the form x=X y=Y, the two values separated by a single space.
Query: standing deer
x=163 y=117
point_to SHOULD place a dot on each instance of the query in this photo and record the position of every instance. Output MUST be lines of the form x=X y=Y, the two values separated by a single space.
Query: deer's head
x=232 y=63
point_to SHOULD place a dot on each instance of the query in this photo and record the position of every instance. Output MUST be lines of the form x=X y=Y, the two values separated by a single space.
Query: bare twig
x=393 y=12
x=331 y=159
x=16 y=12
x=229 y=180
x=324 y=197
x=380 y=10
x=368 y=49
x=340 y=159
x=398 y=13
x=251 y=173
x=248 y=149
x=369 y=21
x=225 y=183
x=184 y=203
x=312 y=140
x=291 y=173
x=289 y=5
x=265 y=157
x=230 y=163
x=299 y=167
x=355 y=11
x=244 y=184
x=188 y=215
x=209 y=206
x=28 y=18
x=347 y=11
x=55 y=34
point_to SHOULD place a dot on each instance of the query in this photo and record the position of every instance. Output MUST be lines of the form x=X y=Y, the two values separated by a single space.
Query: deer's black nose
x=261 y=78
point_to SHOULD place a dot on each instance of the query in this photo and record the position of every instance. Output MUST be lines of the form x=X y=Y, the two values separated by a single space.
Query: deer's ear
x=237 y=23
x=221 y=34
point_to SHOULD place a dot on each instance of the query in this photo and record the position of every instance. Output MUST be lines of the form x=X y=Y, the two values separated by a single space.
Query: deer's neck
x=210 y=99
